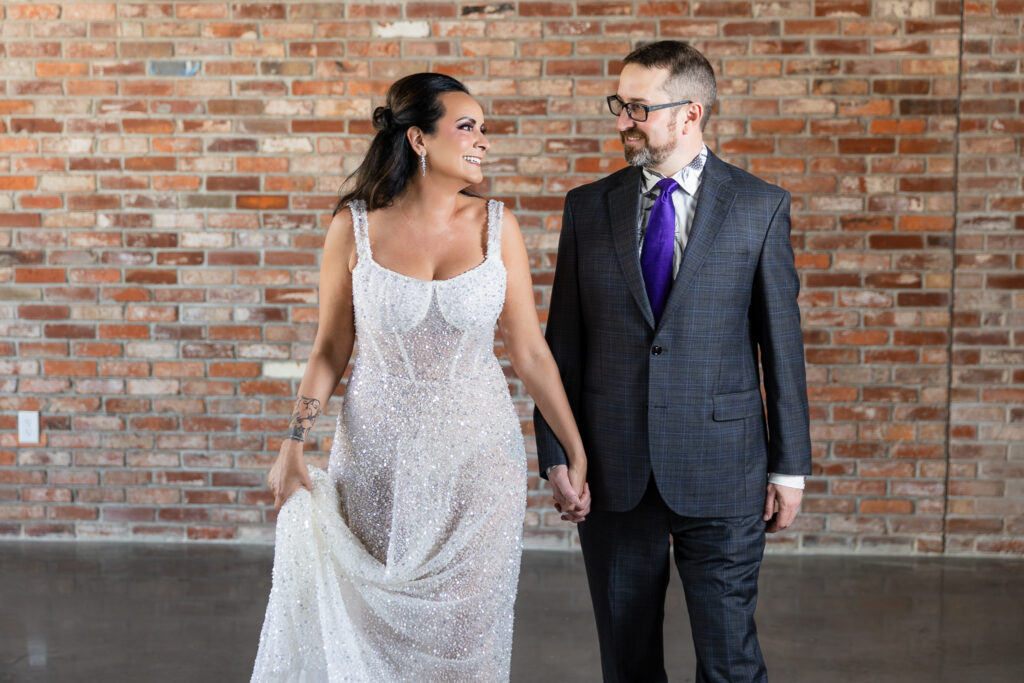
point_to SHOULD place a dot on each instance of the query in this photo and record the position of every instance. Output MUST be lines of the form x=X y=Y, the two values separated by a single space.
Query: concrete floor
x=155 y=613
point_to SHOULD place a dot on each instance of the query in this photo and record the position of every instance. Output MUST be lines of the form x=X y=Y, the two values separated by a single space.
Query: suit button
x=655 y=350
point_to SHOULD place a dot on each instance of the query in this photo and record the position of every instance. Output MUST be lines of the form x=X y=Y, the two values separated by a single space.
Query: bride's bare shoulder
x=340 y=228
x=339 y=245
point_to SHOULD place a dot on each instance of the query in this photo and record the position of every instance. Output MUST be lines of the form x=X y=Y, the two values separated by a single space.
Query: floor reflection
x=154 y=613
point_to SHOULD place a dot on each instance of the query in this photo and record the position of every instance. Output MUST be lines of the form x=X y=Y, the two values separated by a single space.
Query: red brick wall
x=167 y=171
x=986 y=438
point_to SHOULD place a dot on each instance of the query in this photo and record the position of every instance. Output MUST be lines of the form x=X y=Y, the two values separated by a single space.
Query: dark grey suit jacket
x=683 y=398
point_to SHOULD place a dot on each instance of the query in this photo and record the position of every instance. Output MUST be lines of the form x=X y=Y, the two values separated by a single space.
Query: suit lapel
x=623 y=212
x=713 y=204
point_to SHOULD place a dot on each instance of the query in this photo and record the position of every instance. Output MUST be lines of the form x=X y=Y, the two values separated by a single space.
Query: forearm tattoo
x=306 y=411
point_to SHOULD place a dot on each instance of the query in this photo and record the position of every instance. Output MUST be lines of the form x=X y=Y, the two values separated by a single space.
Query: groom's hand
x=780 y=506
x=574 y=508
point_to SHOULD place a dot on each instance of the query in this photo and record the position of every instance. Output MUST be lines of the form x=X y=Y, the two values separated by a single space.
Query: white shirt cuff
x=795 y=481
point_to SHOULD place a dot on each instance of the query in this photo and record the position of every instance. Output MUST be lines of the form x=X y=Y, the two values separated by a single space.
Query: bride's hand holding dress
x=289 y=473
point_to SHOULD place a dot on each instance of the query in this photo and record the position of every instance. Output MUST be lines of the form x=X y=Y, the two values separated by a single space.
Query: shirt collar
x=688 y=177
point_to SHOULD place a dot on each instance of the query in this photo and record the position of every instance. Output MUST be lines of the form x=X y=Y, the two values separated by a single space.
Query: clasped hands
x=571 y=496
x=570 y=491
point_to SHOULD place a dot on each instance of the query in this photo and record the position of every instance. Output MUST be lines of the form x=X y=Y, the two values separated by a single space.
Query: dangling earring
x=423 y=163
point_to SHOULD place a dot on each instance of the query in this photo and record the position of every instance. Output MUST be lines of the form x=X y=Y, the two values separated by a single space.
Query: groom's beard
x=647 y=156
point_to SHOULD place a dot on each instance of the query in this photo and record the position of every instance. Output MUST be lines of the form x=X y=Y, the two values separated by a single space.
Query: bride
x=400 y=563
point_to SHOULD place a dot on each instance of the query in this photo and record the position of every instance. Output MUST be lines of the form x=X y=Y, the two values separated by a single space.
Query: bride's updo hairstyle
x=411 y=101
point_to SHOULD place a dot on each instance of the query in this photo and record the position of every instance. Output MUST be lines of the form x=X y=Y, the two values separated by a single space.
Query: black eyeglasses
x=636 y=110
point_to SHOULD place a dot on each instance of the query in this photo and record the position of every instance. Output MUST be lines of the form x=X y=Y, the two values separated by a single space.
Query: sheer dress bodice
x=439 y=330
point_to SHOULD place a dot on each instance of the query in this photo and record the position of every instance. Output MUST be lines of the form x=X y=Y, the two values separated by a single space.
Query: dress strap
x=495 y=213
x=360 y=226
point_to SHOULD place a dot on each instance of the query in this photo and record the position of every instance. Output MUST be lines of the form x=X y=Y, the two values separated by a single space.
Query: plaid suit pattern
x=677 y=438
x=690 y=410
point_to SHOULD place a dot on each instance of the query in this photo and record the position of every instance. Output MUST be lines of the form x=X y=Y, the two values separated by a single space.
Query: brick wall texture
x=168 y=169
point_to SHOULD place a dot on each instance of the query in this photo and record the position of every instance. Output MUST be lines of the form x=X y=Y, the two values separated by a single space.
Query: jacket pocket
x=738 y=405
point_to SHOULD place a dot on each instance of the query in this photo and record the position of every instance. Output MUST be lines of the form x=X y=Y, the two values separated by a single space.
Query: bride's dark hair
x=411 y=101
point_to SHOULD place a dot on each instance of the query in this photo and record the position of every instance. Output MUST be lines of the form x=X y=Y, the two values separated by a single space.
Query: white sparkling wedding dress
x=402 y=563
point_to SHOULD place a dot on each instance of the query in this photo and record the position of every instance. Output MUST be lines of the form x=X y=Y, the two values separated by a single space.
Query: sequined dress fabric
x=402 y=563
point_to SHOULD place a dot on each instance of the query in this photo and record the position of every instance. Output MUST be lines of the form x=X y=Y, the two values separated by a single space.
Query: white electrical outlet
x=28 y=426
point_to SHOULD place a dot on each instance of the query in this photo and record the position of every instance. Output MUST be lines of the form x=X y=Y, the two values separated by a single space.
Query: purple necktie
x=659 y=243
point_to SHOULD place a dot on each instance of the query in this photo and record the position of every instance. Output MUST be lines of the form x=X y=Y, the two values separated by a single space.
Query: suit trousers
x=627 y=560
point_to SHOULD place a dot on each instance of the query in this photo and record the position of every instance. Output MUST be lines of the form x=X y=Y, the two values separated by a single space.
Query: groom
x=675 y=281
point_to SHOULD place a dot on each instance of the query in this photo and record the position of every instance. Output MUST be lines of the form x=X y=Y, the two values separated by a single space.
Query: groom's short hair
x=690 y=73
